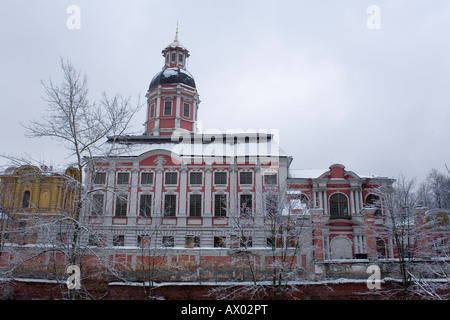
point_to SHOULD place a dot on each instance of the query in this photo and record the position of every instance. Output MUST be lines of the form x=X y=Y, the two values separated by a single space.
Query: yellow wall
x=50 y=193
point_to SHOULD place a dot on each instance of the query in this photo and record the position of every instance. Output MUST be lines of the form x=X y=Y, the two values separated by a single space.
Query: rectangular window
x=100 y=178
x=97 y=204
x=121 y=205
x=246 y=242
x=271 y=202
x=93 y=240
x=123 y=178
x=246 y=205
x=180 y=57
x=195 y=178
x=143 y=240
x=170 y=205
x=168 y=241
x=186 y=110
x=192 y=241
x=171 y=178
x=147 y=178
x=118 y=240
x=152 y=110
x=145 y=205
x=220 y=178
x=245 y=177
x=167 y=108
x=195 y=205
x=220 y=205
x=270 y=179
x=174 y=56
x=220 y=242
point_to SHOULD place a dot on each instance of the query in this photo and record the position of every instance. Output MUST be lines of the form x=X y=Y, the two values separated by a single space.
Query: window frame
x=220 y=242
x=186 y=106
x=173 y=206
x=121 y=205
x=168 y=241
x=194 y=181
x=152 y=110
x=266 y=180
x=118 y=240
x=168 y=181
x=121 y=181
x=97 y=176
x=26 y=197
x=220 y=210
x=167 y=104
x=148 y=209
x=244 y=176
x=191 y=239
x=98 y=206
x=248 y=209
x=147 y=173
x=216 y=182
x=339 y=202
x=195 y=205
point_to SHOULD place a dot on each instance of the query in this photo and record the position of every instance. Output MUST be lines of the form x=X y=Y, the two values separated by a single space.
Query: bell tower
x=172 y=96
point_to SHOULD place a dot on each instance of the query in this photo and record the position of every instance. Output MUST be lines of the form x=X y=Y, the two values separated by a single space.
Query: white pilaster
x=207 y=211
x=183 y=189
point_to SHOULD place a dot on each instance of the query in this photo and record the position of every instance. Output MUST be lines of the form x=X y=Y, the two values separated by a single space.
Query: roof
x=202 y=145
x=316 y=173
x=172 y=75
x=306 y=173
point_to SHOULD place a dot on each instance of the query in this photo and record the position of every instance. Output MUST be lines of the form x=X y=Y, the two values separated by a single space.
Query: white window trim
x=176 y=203
x=152 y=210
x=202 y=203
x=253 y=202
x=147 y=184
x=195 y=185
x=171 y=185
x=214 y=203
x=246 y=185
x=220 y=185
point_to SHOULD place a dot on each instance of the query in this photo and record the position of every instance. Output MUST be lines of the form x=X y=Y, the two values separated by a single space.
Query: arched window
x=26 y=199
x=374 y=201
x=338 y=205
x=341 y=248
x=381 y=248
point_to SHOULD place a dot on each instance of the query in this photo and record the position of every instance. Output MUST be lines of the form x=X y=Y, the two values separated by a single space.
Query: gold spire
x=176 y=34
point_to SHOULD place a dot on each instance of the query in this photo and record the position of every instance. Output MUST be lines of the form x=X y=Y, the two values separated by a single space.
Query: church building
x=214 y=200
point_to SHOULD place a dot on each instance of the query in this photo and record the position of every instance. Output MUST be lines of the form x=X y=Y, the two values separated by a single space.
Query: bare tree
x=286 y=231
x=82 y=127
x=76 y=122
x=288 y=234
x=438 y=186
x=407 y=225
x=153 y=253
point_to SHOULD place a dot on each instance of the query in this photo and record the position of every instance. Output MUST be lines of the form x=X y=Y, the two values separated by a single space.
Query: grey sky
x=376 y=101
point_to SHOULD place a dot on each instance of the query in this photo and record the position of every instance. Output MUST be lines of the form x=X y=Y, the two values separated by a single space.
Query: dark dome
x=172 y=75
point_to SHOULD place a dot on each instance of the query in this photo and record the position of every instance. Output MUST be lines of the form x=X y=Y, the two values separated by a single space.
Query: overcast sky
x=374 y=100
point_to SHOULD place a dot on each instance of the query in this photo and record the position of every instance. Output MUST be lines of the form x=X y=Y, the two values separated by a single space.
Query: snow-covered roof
x=168 y=72
x=306 y=173
x=315 y=173
x=202 y=145
x=176 y=44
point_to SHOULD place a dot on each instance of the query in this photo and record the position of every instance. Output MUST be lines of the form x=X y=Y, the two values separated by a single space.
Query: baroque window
x=338 y=205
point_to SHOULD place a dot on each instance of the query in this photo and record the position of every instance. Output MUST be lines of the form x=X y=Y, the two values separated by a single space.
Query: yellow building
x=30 y=195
